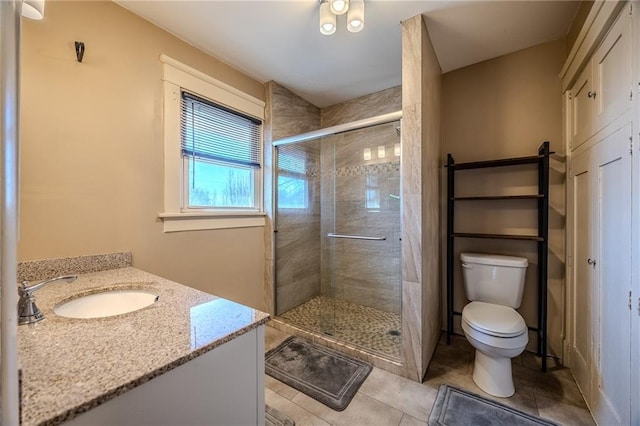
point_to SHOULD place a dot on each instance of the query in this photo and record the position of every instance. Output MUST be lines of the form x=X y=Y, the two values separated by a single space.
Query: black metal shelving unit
x=542 y=237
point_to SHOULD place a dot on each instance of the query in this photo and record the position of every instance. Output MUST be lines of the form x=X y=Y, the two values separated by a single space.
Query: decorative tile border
x=361 y=169
x=310 y=171
x=368 y=169
x=48 y=268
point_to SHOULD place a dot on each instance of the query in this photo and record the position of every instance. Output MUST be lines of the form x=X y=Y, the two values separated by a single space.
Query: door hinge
x=630 y=300
x=630 y=145
x=630 y=8
x=639 y=306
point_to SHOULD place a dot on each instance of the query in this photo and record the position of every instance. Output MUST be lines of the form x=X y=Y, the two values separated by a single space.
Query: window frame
x=177 y=77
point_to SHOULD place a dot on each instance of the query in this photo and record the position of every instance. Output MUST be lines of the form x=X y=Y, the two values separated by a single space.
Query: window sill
x=197 y=221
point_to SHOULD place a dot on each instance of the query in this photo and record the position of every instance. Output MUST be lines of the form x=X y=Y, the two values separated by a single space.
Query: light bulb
x=339 y=7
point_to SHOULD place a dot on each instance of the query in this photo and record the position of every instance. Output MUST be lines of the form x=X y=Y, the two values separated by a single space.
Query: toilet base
x=493 y=375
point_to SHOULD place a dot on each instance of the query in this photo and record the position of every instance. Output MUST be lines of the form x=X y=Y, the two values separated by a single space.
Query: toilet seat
x=494 y=320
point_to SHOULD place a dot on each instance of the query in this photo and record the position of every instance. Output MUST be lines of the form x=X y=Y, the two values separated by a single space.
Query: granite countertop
x=72 y=365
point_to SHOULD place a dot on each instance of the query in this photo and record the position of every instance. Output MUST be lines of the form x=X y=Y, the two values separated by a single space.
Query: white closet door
x=581 y=108
x=612 y=73
x=612 y=183
x=583 y=276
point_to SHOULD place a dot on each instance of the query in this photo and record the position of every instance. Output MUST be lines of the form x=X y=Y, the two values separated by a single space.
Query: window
x=372 y=193
x=221 y=156
x=212 y=152
x=293 y=191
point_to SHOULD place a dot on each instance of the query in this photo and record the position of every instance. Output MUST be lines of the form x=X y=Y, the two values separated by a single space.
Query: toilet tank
x=493 y=278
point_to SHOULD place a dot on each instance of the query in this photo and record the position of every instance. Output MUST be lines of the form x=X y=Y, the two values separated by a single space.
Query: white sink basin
x=106 y=304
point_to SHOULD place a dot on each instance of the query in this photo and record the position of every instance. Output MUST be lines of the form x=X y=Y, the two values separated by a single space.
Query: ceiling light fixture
x=327 y=19
x=330 y=9
x=355 y=17
x=339 y=7
x=33 y=9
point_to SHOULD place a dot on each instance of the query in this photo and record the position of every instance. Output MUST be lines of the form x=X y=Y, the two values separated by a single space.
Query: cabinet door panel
x=583 y=290
x=612 y=73
x=581 y=109
x=613 y=221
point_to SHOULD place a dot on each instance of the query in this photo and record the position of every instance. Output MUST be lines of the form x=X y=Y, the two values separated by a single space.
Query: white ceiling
x=280 y=40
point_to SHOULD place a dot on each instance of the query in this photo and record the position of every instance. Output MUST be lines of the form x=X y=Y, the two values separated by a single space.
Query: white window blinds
x=212 y=132
x=292 y=158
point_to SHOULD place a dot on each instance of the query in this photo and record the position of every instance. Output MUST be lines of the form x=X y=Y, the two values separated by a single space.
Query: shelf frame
x=500 y=197
x=497 y=236
x=541 y=160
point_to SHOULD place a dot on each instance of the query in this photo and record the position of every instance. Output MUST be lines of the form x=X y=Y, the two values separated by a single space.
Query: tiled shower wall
x=366 y=272
x=298 y=236
x=297 y=241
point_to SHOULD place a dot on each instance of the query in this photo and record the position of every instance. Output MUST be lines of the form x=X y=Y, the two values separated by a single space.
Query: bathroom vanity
x=189 y=358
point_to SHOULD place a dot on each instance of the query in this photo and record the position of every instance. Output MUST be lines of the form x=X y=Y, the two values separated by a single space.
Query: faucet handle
x=28 y=290
x=28 y=312
x=23 y=288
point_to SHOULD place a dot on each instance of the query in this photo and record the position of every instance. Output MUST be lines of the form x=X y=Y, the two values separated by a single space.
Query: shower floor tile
x=372 y=329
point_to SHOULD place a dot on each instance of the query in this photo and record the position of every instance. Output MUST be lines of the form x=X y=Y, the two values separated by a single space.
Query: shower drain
x=394 y=333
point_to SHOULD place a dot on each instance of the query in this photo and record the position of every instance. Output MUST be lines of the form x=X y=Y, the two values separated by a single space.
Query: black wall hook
x=79 y=50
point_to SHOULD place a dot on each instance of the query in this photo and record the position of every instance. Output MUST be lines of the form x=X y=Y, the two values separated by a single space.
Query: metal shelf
x=501 y=197
x=517 y=161
x=497 y=236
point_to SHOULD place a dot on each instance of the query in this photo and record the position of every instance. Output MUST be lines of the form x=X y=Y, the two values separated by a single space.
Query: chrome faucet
x=28 y=312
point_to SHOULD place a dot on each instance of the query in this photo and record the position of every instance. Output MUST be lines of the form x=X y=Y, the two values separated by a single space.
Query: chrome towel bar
x=356 y=237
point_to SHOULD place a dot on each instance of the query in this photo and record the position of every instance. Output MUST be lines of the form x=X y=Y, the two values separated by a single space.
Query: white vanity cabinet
x=224 y=386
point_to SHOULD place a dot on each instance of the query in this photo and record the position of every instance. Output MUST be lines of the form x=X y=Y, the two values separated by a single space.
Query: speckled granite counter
x=72 y=365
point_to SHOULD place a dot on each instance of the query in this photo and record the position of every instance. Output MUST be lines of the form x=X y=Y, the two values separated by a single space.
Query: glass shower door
x=361 y=237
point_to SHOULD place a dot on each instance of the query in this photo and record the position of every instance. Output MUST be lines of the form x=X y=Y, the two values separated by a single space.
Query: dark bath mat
x=455 y=407
x=322 y=373
x=275 y=417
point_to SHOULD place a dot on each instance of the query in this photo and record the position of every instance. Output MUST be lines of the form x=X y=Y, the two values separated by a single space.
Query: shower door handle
x=356 y=237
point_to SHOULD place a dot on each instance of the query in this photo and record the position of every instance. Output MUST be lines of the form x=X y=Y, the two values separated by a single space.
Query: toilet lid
x=495 y=320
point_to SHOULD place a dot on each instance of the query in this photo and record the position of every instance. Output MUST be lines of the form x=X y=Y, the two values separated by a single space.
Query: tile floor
x=387 y=399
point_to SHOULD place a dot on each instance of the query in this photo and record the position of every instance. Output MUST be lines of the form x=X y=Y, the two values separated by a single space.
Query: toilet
x=494 y=285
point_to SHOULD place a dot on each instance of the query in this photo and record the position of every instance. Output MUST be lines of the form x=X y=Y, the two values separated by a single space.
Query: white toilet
x=494 y=285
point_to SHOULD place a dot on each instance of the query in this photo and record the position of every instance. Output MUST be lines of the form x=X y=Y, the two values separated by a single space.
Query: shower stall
x=337 y=233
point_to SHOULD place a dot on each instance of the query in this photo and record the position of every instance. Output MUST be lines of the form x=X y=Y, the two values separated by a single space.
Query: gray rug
x=455 y=407
x=322 y=373
x=273 y=417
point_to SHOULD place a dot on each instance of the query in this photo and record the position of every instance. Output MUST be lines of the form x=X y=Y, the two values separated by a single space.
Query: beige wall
x=92 y=151
x=507 y=107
